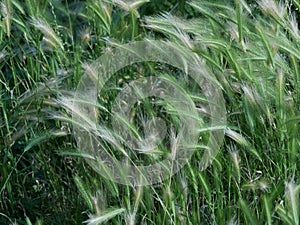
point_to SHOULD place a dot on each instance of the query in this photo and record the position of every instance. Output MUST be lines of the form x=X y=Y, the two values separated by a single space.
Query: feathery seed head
x=263 y=185
x=130 y=219
x=85 y=35
x=50 y=36
x=233 y=29
x=270 y=7
x=235 y=158
x=130 y=6
x=294 y=27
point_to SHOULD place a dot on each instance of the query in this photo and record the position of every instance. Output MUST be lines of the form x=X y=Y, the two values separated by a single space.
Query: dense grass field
x=250 y=48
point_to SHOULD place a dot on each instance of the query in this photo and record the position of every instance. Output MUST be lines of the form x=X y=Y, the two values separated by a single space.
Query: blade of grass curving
x=248 y=214
x=239 y=13
x=84 y=190
x=267 y=209
x=31 y=144
x=270 y=59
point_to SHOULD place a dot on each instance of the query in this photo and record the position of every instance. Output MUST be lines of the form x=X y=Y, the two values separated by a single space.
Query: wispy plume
x=175 y=28
x=233 y=29
x=130 y=6
x=272 y=8
x=294 y=27
x=85 y=35
x=107 y=215
x=50 y=37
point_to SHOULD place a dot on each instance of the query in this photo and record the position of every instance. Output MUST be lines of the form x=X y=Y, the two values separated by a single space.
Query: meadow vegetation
x=251 y=47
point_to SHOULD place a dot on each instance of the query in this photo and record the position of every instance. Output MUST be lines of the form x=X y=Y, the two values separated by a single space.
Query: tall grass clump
x=254 y=55
x=43 y=47
x=251 y=47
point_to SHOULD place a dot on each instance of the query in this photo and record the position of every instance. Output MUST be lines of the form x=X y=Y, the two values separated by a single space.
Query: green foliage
x=252 y=48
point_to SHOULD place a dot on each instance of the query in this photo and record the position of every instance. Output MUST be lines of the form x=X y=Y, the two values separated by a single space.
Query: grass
x=252 y=48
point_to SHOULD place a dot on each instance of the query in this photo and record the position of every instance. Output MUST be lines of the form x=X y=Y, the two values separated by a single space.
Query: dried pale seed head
x=85 y=35
x=130 y=6
x=130 y=219
x=50 y=36
x=235 y=158
x=263 y=185
x=83 y=119
x=91 y=71
x=253 y=96
x=233 y=29
x=122 y=4
x=96 y=205
x=43 y=26
x=274 y=47
x=170 y=22
x=104 y=217
x=184 y=37
x=4 y=9
x=137 y=4
x=249 y=94
x=272 y=8
x=236 y=137
x=99 y=202
x=3 y=54
x=294 y=27
x=174 y=144
x=49 y=42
